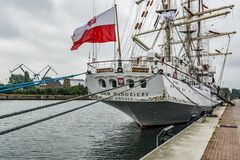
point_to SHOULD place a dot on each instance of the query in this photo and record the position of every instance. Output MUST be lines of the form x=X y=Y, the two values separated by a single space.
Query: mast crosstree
x=168 y=39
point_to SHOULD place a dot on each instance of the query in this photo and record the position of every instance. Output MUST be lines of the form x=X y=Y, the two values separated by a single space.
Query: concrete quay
x=34 y=97
x=225 y=144
x=216 y=139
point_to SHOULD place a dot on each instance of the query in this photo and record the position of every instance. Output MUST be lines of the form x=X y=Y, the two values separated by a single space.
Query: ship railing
x=127 y=65
x=143 y=64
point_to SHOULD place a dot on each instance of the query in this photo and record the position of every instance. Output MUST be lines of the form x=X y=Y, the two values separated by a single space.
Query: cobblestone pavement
x=224 y=144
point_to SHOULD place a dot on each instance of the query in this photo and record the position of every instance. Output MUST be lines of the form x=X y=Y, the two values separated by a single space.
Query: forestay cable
x=202 y=94
x=36 y=83
x=71 y=110
x=62 y=102
x=184 y=94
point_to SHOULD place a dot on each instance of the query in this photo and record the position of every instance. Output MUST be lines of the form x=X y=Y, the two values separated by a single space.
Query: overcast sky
x=38 y=33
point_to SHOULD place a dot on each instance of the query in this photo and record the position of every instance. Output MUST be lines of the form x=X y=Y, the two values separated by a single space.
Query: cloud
x=38 y=33
x=7 y=30
x=35 y=7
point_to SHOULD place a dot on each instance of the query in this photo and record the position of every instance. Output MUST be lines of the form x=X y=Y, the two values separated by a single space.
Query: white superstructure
x=182 y=83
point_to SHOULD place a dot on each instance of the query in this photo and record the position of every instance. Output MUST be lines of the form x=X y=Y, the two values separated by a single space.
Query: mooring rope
x=202 y=94
x=64 y=101
x=183 y=93
x=36 y=83
x=72 y=110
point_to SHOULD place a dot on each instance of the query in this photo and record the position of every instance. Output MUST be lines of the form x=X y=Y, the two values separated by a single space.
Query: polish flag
x=100 y=29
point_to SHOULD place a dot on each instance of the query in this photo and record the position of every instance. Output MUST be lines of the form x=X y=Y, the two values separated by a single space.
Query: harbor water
x=95 y=132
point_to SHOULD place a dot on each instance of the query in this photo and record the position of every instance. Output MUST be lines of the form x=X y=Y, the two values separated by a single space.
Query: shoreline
x=36 y=97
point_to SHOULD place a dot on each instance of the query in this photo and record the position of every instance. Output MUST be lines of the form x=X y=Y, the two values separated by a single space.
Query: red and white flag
x=100 y=29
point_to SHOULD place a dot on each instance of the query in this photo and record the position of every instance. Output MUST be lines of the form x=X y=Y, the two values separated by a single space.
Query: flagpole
x=93 y=45
x=119 y=44
x=118 y=35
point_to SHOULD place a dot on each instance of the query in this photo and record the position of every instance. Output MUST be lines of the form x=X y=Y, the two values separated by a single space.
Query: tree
x=235 y=93
x=27 y=77
x=18 y=78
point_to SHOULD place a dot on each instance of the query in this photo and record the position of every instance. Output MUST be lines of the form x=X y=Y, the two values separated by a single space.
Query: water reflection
x=128 y=142
x=97 y=132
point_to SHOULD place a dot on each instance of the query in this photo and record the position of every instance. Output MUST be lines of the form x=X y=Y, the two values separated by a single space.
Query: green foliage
x=226 y=90
x=18 y=78
x=75 y=90
x=27 y=77
x=235 y=93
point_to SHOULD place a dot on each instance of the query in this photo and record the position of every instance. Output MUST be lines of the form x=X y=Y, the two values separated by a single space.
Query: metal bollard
x=204 y=119
x=162 y=133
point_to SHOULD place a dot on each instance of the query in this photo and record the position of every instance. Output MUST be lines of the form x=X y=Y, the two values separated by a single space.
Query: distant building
x=56 y=84
x=67 y=83
x=52 y=85
x=76 y=82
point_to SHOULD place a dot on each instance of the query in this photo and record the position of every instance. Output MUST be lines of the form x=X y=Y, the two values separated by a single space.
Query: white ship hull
x=176 y=53
x=160 y=103
x=150 y=114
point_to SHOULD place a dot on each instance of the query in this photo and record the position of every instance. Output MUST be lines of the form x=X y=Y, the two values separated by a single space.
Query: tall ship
x=162 y=71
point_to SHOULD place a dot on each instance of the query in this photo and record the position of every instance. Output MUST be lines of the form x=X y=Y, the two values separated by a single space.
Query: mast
x=188 y=32
x=168 y=34
x=199 y=34
x=119 y=69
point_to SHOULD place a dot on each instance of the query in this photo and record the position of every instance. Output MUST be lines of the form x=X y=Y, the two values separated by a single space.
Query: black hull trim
x=153 y=114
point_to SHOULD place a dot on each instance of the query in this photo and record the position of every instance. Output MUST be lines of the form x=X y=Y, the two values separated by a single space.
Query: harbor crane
x=24 y=68
x=36 y=76
x=47 y=68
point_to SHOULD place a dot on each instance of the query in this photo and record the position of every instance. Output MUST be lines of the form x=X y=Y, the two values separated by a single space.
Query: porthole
x=102 y=83
x=113 y=83
x=131 y=83
x=143 y=83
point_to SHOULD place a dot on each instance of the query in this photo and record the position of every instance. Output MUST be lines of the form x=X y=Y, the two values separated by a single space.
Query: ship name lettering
x=121 y=94
x=129 y=94
x=123 y=99
x=106 y=93
x=175 y=82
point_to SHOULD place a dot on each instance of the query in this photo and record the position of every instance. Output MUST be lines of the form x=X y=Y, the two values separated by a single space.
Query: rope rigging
x=68 y=111
x=224 y=63
x=61 y=102
x=157 y=36
x=35 y=83
x=183 y=93
x=201 y=94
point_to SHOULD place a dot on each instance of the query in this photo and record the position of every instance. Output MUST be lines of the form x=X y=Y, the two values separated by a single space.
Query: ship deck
x=217 y=138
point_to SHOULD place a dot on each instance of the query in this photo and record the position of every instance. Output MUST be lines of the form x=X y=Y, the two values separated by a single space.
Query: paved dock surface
x=216 y=139
x=189 y=144
x=236 y=115
x=224 y=144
